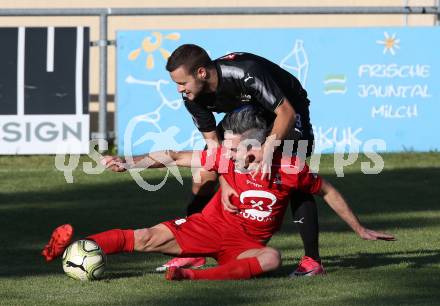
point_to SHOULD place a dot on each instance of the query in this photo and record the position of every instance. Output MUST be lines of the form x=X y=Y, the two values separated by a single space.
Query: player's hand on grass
x=368 y=234
x=114 y=163
x=227 y=193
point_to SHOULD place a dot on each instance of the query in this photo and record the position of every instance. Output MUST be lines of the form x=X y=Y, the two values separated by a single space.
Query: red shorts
x=198 y=235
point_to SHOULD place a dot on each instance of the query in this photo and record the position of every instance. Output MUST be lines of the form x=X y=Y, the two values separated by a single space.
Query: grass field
x=404 y=200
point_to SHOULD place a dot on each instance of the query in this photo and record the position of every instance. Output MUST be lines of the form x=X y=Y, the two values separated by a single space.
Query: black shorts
x=299 y=143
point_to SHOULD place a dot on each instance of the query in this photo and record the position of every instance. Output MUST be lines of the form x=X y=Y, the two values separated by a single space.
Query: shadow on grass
x=97 y=207
x=412 y=259
x=396 y=288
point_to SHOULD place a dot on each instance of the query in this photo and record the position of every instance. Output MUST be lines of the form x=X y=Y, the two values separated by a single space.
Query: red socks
x=115 y=241
x=238 y=269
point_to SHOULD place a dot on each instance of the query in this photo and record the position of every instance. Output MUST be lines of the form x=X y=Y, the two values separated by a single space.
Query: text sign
x=363 y=83
x=44 y=90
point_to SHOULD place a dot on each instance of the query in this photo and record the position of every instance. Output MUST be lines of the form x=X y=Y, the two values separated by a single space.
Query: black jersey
x=248 y=79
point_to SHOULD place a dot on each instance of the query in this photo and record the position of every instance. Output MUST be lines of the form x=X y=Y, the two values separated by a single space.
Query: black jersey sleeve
x=203 y=119
x=261 y=85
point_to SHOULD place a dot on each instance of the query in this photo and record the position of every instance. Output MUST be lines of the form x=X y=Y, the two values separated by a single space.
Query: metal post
x=405 y=16
x=212 y=11
x=438 y=12
x=102 y=115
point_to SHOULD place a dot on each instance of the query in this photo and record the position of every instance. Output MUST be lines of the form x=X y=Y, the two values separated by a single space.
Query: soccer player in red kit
x=241 y=79
x=236 y=240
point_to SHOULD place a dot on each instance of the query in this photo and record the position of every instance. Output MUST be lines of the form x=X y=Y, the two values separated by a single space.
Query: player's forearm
x=282 y=124
x=223 y=183
x=284 y=121
x=211 y=139
x=335 y=200
x=159 y=159
x=280 y=128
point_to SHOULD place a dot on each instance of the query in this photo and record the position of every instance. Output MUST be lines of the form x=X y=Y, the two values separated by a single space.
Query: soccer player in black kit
x=232 y=82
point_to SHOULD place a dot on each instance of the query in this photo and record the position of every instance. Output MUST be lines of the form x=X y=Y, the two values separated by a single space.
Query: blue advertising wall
x=363 y=83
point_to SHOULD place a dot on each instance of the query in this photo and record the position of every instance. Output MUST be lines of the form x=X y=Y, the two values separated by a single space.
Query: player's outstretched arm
x=337 y=202
x=159 y=159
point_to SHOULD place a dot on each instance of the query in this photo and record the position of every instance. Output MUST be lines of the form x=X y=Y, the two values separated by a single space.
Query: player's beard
x=203 y=87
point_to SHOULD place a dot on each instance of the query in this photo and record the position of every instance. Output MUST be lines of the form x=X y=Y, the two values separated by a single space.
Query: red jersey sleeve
x=298 y=176
x=309 y=182
x=215 y=160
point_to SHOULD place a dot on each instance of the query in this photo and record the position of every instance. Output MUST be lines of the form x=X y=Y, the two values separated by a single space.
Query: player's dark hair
x=191 y=57
x=255 y=134
x=247 y=121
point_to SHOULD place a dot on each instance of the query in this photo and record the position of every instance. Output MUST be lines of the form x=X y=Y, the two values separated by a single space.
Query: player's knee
x=270 y=259
x=143 y=240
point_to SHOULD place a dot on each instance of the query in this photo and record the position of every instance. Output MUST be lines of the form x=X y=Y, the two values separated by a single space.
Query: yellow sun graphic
x=390 y=43
x=152 y=43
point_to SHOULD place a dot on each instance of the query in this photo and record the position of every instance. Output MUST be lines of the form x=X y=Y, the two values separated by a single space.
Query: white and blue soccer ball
x=84 y=260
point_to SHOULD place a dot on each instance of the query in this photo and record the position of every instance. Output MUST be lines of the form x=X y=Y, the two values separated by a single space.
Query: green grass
x=403 y=199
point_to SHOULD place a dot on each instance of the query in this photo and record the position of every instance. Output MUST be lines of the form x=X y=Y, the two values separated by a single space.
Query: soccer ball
x=84 y=260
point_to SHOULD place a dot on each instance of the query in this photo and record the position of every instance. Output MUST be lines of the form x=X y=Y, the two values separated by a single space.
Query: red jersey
x=262 y=203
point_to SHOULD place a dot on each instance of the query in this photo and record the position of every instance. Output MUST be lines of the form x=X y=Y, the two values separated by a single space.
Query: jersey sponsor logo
x=257 y=205
x=243 y=97
x=253 y=184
